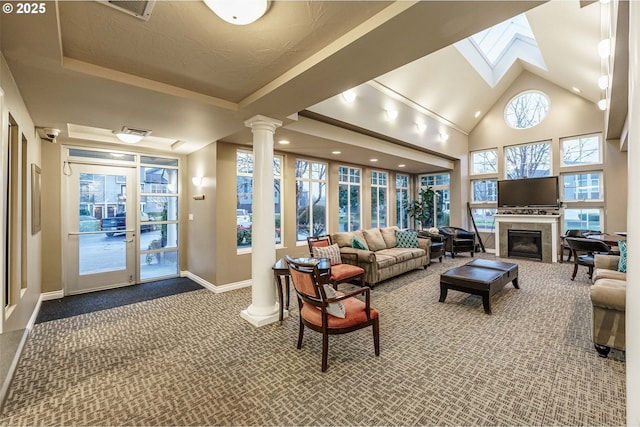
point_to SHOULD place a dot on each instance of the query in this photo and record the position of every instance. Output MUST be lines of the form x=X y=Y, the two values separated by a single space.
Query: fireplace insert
x=524 y=244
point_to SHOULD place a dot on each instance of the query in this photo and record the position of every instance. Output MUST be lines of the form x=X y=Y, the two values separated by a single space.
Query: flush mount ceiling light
x=349 y=95
x=604 y=48
x=602 y=104
x=238 y=12
x=603 y=82
x=131 y=136
x=284 y=142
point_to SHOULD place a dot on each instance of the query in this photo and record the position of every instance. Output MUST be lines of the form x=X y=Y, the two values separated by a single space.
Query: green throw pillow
x=407 y=239
x=358 y=244
x=622 y=264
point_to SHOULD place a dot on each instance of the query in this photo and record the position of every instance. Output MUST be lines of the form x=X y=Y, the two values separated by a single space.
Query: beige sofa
x=608 y=298
x=383 y=259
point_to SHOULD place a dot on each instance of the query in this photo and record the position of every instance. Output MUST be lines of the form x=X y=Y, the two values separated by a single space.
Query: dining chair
x=341 y=272
x=324 y=310
x=584 y=251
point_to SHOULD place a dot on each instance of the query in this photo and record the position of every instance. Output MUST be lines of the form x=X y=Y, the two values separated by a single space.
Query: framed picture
x=36 y=207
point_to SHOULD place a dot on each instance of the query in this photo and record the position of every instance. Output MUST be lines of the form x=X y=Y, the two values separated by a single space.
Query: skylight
x=493 y=42
x=493 y=51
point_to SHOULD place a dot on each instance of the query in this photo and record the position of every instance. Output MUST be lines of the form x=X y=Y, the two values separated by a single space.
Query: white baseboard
x=215 y=288
x=51 y=295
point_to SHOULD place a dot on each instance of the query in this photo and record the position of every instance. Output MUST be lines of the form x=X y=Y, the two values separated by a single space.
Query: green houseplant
x=421 y=209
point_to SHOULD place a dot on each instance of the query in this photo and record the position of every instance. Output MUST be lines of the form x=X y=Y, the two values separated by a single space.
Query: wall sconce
x=444 y=136
x=349 y=95
x=197 y=181
x=391 y=113
x=421 y=127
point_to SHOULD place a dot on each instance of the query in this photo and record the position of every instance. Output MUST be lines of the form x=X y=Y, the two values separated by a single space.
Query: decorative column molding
x=264 y=307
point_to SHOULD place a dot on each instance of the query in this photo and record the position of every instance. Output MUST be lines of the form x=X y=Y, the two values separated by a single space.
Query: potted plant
x=421 y=209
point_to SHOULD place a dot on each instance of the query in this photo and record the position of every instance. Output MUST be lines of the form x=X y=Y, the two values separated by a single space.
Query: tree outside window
x=583 y=150
x=528 y=161
x=311 y=200
x=526 y=110
x=402 y=200
x=379 y=199
x=483 y=162
x=484 y=190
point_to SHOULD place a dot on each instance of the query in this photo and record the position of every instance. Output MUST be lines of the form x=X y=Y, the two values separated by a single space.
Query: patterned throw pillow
x=358 y=244
x=332 y=252
x=622 y=264
x=407 y=239
x=335 y=308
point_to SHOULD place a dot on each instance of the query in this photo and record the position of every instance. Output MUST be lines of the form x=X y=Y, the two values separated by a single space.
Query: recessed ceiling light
x=576 y=89
x=283 y=142
x=402 y=165
x=391 y=113
x=421 y=127
x=477 y=114
x=349 y=95
x=336 y=152
x=374 y=160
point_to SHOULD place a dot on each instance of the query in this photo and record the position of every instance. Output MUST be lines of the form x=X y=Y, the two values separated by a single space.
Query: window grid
x=402 y=199
x=585 y=186
x=379 y=192
x=484 y=162
x=349 y=195
x=311 y=200
x=441 y=198
x=581 y=150
x=484 y=191
x=528 y=160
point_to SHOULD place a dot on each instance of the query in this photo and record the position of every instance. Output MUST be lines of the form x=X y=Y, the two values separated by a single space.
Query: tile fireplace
x=547 y=225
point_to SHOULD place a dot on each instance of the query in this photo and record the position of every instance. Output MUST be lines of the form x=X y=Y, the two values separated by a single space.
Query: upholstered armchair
x=329 y=312
x=437 y=243
x=458 y=240
x=608 y=300
x=341 y=270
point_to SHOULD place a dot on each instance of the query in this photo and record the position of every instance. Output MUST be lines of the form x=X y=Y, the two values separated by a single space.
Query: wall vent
x=139 y=9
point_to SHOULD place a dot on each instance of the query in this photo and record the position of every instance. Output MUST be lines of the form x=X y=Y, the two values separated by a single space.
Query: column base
x=262 y=320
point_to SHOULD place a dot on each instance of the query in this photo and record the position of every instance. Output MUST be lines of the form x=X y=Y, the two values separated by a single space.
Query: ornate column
x=264 y=307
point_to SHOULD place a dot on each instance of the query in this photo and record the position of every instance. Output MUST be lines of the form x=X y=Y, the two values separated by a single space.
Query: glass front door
x=101 y=228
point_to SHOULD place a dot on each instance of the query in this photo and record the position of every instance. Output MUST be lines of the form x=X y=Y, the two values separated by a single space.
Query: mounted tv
x=529 y=193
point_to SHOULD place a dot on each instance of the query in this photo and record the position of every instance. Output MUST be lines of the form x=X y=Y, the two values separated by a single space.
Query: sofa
x=608 y=299
x=382 y=258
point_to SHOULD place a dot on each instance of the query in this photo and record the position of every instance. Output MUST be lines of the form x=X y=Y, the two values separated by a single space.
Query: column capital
x=260 y=122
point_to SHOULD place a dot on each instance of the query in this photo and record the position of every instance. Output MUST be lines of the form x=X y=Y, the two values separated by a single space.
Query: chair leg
x=300 y=334
x=376 y=337
x=590 y=271
x=325 y=351
x=603 y=350
x=575 y=271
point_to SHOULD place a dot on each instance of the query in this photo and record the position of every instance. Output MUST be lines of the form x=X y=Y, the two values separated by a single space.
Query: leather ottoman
x=479 y=277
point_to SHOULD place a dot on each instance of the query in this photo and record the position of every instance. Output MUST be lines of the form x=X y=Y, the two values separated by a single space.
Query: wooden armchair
x=583 y=250
x=340 y=272
x=316 y=299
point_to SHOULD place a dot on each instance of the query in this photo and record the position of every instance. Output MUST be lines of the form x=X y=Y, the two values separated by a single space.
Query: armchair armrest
x=608 y=262
x=366 y=291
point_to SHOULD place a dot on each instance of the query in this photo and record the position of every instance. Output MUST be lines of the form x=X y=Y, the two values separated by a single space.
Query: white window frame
x=349 y=184
x=484 y=202
x=509 y=147
x=400 y=203
x=599 y=200
x=472 y=164
x=574 y=138
x=375 y=215
x=311 y=181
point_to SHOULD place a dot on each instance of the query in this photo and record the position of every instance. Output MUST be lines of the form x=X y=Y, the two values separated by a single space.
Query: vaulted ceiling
x=191 y=78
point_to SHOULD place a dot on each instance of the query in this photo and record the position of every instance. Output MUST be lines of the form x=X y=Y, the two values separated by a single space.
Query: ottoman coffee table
x=479 y=277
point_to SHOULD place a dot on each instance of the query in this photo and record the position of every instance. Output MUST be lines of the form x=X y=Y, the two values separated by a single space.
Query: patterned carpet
x=189 y=359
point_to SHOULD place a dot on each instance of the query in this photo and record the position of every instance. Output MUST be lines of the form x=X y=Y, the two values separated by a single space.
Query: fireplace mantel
x=549 y=224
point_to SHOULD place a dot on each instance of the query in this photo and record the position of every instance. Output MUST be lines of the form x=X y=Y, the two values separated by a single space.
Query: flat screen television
x=529 y=193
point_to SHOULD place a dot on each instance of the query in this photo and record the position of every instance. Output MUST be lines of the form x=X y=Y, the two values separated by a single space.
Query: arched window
x=526 y=109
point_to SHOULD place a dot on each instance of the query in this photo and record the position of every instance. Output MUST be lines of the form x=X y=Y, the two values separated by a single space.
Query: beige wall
x=569 y=115
x=23 y=299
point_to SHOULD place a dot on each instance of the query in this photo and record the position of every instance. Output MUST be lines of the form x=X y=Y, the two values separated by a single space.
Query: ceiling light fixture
x=477 y=114
x=284 y=142
x=444 y=136
x=238 y=12
x=603 y=82
x=402 y=165
x=373 y=160
x=349 y=95
x=604 y=48
x=421 y=127
x=602 y=104
x=131 y=136
x=391 y=113
x=576 y=89
x=336 y=152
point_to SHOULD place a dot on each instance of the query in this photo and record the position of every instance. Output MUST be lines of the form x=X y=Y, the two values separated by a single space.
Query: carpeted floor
x=190 y=359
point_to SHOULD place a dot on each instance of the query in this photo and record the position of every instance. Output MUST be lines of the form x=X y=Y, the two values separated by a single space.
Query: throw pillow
x=407 y=239
x=622 y=263
x=358 y=244
x=332 y=252
x=434 y=230
x=335 y=308
x=374 y=240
